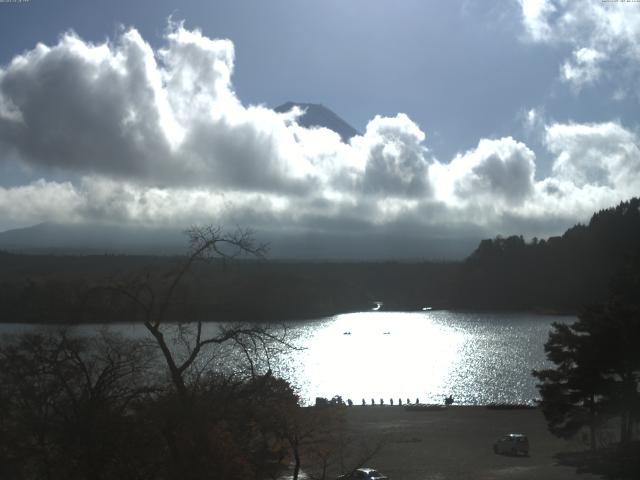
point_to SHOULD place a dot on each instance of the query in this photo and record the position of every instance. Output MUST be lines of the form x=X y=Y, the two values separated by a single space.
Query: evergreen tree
x=597 y=364
x=572 y=392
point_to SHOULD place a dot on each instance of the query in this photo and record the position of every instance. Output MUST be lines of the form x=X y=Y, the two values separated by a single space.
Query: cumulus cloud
x=594 y=166
x=499 y=170
x=600 y=33
x=122 y=110
x=85 y=107
x=396 y=160
x=170 y=119
x=118 y=132
x=603 y=154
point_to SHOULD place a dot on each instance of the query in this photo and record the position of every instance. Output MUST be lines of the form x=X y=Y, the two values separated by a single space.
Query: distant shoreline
x=242 y=319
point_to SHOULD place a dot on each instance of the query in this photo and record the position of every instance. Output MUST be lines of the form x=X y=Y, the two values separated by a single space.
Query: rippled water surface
x=477 y=358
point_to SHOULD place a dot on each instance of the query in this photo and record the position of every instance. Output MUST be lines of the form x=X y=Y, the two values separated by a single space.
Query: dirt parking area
x=456 y=443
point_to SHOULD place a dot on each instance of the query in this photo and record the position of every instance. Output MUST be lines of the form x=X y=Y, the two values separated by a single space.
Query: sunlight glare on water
x=370 y=354
x=477 y=358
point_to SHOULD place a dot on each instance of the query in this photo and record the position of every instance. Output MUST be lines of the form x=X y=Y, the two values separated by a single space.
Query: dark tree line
x=48 y=289
x=559 y=274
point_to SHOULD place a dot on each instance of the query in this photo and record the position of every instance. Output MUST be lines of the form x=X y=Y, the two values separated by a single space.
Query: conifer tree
x=597 y=364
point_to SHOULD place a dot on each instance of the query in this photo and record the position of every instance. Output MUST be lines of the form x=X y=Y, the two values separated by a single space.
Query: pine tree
x=573 y=391
x=597 y=364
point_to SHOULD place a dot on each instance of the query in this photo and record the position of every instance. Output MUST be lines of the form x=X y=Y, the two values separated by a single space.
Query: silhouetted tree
x=572 y=392
x=320 y=439
x=197 y=439
x=619 y=338
x=154 y=298
x=597 y=363
x=66 y=407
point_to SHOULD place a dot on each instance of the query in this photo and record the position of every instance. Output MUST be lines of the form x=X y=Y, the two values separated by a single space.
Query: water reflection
x=477 y=358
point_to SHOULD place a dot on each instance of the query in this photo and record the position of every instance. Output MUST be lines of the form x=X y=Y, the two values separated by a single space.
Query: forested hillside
x=52 y=289
x=558 y=274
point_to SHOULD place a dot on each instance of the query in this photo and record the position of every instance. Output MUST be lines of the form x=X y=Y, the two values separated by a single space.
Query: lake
x=477 y=358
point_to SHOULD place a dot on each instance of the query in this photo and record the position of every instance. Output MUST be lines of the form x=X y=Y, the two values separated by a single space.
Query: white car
x=512 y=444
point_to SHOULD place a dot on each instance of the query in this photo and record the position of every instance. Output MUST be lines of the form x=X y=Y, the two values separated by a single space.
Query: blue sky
x=508 y=116
x=456 y=68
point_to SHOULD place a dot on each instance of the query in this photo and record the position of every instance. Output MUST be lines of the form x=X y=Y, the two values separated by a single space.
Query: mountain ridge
x=87 y=239
x=317 y=115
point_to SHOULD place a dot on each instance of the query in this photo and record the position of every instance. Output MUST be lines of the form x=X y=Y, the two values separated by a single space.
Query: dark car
x=512 y=444
x=363 y=474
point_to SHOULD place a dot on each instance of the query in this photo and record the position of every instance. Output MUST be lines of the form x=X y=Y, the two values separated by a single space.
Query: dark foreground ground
x=457 y=444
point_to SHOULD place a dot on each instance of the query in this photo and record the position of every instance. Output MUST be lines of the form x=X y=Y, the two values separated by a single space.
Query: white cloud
x=533 y=121
x=171 y=118
x=536 y=15
x=40 y=200
x=144 y=137
x=601 y=33
x=497 y=171
x=532 y=118
x=396 y=159
x=584 y=68
x=121 y=110
x=602 y=154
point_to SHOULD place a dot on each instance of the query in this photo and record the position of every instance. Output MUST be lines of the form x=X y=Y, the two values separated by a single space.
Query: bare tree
x=154 y=300
x=187 y=345
x=66 y=404
x=319 y=439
